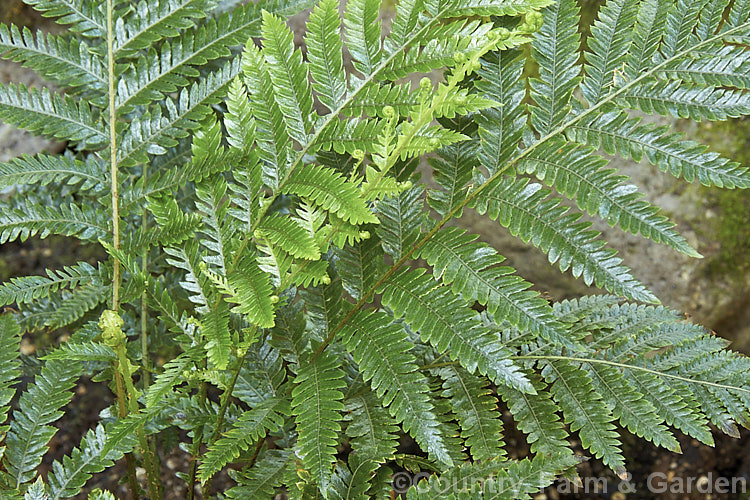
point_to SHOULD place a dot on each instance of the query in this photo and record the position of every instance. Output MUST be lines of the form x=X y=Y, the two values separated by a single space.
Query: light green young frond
x=52 y=115
x=579 y=174
x=290 y=236
x=445 y=321
x=527 y=210
x=324 y=53
x=381 y=351
x=67 y=61
x=617 y=133
x=30 y=430
x=170 y=376
x=317 y=406
x=473 y=270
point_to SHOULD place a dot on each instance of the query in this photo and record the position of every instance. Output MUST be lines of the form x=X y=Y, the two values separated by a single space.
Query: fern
x=276 y=288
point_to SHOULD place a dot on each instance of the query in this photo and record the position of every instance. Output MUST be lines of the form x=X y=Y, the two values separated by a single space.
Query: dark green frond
x=401 y=219
x=27 y=289
x=372 y=431
x=85 y=223
x=262 y=480
x=44 y=169
x=80 y=16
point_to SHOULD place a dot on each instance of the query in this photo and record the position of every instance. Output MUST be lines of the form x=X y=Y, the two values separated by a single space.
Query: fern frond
x=372 y=431
x=726 y=67
x=611 y=36
x=363 y=34
x=556 y=50
x=578 y=174
x=472 y=270
x=452 y=169
x=30 y=430
x=252 y=425
x=673 y=98
x=74 y=304
x=52 y=115
x=330 y=191
x=212 y=206
x=26 y=289
x=445 y=321
x=492 y=8
x=68 y=476
x=84 y=223
x=252 y=293
x=359 y=265
x=289 y=236
x=324 y=46
x=80 y=16
x=65 y=60
x=82 y=351
x=352 y=481
x=647 y=34
x=44 y=169
x=169 y=377
x=215 y=329
x=618 y=133
x=529 y=213
x=381 y=351
x=148 y=22
x=261 y=480
x=401 y=219
x=680 y=23
x=317 y=406
x=585 y=412
x=476 y=411
x=10 y=338
x=324 y=305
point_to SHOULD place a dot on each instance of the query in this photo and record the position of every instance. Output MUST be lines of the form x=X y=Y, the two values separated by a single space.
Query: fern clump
x=268 y=228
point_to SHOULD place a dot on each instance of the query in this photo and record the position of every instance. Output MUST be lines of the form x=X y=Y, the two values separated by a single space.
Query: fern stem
x=123 y=412
x=632 y=367
x=473 y=194
x=113 y=158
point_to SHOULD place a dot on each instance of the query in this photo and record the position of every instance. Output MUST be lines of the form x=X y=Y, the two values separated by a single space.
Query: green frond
x=555 y=49
x=290 y=236
x=82 y=351
x=476 y=410
x=363 y=31
x=609 y=43
x=445 y=321
x=447 y=426
x=27 y=289
x=617 y=133
x=401 y=219
x=452 y=169
x=324 y=305
x=44 y=169
x=330 y=191
x=375 y=96
x=262 y=375
x=407 y=15
x=212 y=207
x=324 y=53
x=536 y=415
x=80 y=16
x=634 y=412
x=252 y=425
x=175 y=225
x=72 y=305
x=51 y=115
x=317 y=406
x=252 y=293
x=494 y=8
x=530 y=213
x=472 y=269
x=288 y=75
x=145 y=23
x=710 y=18
x=170 y=376
x=739 y=14
x=360 y=264
x=30 y=430
x=156 y=131
x=215 y=330
x=372 y=431
x=238 y=119
x=347 y=136
x=578 y=174
x=10 y=338
x=381 y=351
x=194 y=282
x=352 y=482
x=647 y=34
x=726 y=67
x=673 y=98
x=682 y=19
x=85 y=223
x=68 y=476
x=261 y=480
x=501 y=128
x=585 y=412
x=67 y=61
